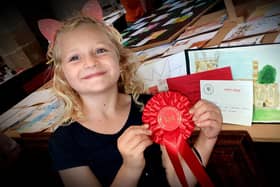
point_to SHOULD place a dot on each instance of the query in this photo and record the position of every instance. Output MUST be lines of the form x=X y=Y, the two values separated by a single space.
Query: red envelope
x=189 y=85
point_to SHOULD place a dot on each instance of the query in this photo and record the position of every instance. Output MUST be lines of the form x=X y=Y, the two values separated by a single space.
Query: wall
x=18 y=45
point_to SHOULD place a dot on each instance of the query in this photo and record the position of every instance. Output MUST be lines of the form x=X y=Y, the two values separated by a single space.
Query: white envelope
x=233 y=97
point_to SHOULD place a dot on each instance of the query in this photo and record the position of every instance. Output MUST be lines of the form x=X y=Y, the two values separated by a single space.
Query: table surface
x=259 y=132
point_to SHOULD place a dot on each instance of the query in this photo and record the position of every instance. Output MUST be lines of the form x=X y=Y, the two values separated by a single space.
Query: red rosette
x=167 y=114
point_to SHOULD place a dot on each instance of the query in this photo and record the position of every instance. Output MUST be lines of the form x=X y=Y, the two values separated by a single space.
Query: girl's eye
x=100 y=51
x=74 y=58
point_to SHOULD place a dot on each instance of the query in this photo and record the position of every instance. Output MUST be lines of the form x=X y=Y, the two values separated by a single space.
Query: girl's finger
x=132 y=131
x=210 y=115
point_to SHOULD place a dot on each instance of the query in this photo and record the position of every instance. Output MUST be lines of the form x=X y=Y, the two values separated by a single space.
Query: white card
x=233 y=97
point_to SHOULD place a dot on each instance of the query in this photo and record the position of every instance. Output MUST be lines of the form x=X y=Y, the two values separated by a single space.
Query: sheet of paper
x=193 y=31
x=259 y=26
x=179 y=19
x=25 y=108
x=234 y=98
x=45 y=116
x=244 y=41
x=277 y=39
x=14 y=116
x=266 y=10
x=152 y=52
x=156 y=70
x=160 y=17
x=178 y=5
x=190 y=43
x=114 y=16
x=37 y=97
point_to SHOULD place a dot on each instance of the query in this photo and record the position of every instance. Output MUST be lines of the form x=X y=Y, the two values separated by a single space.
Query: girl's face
x=89 y=59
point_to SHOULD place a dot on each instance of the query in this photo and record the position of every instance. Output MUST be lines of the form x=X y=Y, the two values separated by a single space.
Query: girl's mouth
x=91 y=75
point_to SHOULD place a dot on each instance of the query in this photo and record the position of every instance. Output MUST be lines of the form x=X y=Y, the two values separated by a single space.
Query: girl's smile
x=92 y=75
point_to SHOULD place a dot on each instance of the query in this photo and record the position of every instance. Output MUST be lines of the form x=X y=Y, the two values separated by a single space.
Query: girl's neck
x=107 y=113
x=102 y=104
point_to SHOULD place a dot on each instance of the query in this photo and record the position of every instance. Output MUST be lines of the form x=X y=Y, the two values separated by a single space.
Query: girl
x=104 y=142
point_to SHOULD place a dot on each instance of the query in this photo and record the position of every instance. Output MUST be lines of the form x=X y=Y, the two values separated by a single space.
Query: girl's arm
x=78 y=176
x=131 y=145
x=83 y=176
x=208 y=118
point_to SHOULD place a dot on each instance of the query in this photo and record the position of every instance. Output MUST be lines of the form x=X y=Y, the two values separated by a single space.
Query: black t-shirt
x=74 y=145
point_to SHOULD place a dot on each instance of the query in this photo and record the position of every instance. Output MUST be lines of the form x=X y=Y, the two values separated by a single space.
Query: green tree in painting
x=267 y=75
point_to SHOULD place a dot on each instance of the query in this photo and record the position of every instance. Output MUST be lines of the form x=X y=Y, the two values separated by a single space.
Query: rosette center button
x=169 y=118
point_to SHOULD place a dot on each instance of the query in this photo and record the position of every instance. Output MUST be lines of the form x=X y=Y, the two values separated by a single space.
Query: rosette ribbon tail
x=173 y=155
x=194 y=164
x=181 y=147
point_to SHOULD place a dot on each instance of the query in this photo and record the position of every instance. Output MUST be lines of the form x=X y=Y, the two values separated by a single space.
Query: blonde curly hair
x=127 y=83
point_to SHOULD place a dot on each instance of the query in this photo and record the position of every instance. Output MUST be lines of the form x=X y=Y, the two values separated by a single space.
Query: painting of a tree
x=267 y=75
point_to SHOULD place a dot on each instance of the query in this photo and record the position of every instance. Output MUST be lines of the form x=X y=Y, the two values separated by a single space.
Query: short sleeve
x=64 y=151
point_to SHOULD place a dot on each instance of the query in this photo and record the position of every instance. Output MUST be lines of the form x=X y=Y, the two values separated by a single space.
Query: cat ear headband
x=49 y=27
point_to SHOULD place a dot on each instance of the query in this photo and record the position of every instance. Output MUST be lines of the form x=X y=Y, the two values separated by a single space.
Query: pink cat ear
x=48 y=28
x=93 y=9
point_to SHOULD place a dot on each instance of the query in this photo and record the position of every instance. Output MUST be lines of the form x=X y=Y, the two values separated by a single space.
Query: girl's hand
x=132 y=144
x=207 y=116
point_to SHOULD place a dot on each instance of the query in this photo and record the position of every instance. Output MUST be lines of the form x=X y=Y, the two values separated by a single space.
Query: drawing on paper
x=154 y=72
x=259 y=63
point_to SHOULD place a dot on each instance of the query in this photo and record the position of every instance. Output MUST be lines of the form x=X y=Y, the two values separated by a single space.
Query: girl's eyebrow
x=103 y=43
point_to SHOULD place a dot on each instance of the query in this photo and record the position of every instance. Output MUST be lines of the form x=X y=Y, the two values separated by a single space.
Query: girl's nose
x=91 y=60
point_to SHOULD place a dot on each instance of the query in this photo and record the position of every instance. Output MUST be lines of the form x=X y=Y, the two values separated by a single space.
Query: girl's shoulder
x=64 y=131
